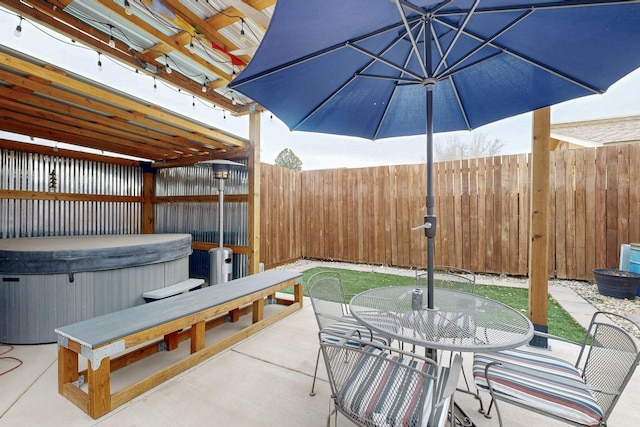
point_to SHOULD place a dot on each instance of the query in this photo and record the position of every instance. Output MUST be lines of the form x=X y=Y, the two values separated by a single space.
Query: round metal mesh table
x=459 y=322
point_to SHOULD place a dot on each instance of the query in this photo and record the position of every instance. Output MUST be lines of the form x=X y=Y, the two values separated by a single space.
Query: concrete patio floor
x=262 y=381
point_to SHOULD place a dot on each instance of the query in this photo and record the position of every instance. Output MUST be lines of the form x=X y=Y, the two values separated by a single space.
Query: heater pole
x=220 y=213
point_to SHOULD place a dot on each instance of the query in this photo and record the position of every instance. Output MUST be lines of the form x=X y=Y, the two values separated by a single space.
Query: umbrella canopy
x=380 y=68
x=322 y=62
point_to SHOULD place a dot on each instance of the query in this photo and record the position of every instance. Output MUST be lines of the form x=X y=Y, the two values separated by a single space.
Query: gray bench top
x=100 y=330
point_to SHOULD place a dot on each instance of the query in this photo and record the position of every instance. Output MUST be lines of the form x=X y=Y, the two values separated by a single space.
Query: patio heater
x=220 y=258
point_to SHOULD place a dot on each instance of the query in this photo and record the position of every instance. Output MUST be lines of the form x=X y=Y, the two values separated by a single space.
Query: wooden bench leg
x=99 y=389
x=197 y=336
x=234 y=315
x=298 y=294
x=258 y=310
x=172 y=340
x=67 y=367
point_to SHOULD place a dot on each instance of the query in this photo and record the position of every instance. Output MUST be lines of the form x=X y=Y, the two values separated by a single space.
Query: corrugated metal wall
x=21 y=171
x=201 y=219
x=26 y=216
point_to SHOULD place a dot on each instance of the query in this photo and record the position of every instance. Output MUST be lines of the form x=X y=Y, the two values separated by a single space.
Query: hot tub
x=48 y=282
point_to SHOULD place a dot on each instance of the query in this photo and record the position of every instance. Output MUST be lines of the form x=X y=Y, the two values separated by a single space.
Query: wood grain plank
x=482 y=214
x=561 y=215
x=612 y=206
x=580 y=209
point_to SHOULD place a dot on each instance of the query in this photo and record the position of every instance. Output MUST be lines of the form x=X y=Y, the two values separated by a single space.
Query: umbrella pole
x=430 y=218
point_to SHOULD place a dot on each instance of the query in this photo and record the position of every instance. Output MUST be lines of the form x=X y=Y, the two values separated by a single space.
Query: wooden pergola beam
x=539 y=247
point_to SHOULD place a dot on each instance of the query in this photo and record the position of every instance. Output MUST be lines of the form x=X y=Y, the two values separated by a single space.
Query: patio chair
x=454 y=278
x=330 y=306
x=583 y=393
x=384 y=386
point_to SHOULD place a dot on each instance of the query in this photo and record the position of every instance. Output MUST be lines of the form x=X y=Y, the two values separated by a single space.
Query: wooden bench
x=103 y=341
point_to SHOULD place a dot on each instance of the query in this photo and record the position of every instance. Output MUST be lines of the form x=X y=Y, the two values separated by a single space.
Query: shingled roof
x=596 y=133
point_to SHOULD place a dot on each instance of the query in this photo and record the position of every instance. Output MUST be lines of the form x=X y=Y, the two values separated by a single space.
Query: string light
x=193 y=102
x=112 y=41
x=18 y=31
x=243 y=36
x=233 y=100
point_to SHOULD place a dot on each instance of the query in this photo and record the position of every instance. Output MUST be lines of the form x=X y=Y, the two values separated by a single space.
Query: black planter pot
x=617 y=283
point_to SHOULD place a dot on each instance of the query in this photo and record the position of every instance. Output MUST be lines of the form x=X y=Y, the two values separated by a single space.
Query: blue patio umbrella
x=380 y=69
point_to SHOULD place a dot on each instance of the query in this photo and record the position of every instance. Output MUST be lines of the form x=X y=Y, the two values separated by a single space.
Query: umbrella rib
x=447 y=74
x=395 y=79
x=420 y=10
x=384 y=61
x=324 y=102
x=374 y=59
x=557 y=5
x=414 y=44
x=240 y=81
x=384 y=114
x=459 y=32
x=526 y=59
x=453 y=84
x=449 y=71
x=395 y=89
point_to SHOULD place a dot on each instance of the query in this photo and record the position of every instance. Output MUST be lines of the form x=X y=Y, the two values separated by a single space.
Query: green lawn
x=560 y=322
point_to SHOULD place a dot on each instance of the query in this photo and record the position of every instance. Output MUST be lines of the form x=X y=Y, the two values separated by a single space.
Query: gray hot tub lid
x=73 y=254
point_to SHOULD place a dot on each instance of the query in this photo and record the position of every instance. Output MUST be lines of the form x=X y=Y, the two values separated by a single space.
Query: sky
x=317 y=151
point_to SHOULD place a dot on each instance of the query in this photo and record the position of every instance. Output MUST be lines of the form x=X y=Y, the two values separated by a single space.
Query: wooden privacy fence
x=482 y=205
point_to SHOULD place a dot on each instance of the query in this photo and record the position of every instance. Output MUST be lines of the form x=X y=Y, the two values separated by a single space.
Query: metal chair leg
x=315 y=374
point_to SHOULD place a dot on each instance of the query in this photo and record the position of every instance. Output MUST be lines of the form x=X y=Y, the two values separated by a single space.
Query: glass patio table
x=459 y=321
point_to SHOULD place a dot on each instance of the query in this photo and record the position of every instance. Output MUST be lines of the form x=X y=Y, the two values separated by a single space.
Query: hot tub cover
x=73 y=254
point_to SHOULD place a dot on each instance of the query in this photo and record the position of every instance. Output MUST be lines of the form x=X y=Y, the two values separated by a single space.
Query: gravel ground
x=587 y=290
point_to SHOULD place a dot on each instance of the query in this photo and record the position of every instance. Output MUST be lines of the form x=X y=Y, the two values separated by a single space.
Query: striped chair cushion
x=350 y=324
x=381 y=394
x=543 y=382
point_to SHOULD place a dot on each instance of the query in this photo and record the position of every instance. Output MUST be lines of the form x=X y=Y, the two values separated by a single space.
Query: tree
x=288 y=159
x=481 y=146
x=453 y=148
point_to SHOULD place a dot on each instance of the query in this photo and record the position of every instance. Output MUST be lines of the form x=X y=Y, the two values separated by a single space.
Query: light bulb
x=155 y=86
x=99 y=63
x=192 y=48
x=112 y=42
x=233 y=101
x=18 y=30
x=127 y=7
x=204 y=87
x=243 y=36
x=166 y=62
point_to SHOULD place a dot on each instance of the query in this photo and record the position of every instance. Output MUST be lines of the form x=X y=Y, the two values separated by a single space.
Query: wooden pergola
x=204 y=46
